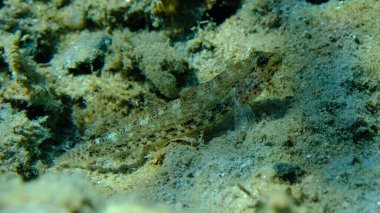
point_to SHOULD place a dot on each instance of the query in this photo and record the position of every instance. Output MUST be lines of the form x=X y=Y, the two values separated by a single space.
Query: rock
x=86 y=54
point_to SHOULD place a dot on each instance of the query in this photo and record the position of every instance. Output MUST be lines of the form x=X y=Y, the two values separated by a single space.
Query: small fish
x=244 y=115
x=199 y=111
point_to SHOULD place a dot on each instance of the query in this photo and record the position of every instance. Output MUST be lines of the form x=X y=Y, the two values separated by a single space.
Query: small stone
x=73 y=17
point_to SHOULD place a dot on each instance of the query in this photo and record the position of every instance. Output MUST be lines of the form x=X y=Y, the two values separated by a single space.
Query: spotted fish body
x=199 y=109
